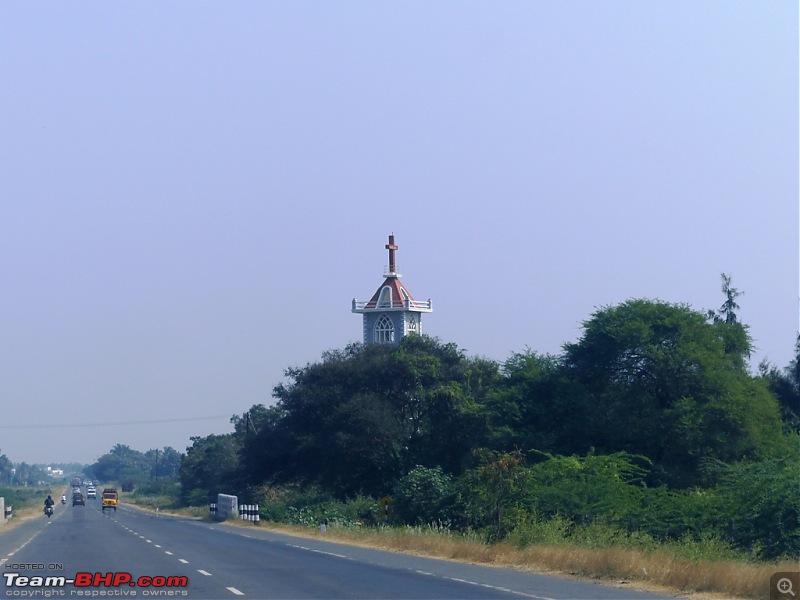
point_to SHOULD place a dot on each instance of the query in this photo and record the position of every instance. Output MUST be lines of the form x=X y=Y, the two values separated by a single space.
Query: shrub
x=419 y=497
x=761 y=501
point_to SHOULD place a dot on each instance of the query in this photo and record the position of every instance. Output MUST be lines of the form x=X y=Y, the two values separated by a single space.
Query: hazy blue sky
x=194 y=192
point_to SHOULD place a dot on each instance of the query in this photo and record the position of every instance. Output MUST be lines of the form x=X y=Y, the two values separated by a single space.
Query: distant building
x=392 y=312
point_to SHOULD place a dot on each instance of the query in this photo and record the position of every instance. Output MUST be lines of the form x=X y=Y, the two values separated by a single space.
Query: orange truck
x=110 y=499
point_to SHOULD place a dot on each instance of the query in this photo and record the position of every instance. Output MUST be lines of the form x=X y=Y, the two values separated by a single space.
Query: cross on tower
x=391 y=248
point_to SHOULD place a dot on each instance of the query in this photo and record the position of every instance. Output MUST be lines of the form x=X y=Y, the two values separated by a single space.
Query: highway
x=170 y=557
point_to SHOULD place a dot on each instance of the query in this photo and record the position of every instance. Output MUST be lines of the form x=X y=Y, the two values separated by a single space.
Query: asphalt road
x=183 y=558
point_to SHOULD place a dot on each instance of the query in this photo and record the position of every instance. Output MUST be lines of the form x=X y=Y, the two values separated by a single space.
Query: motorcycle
x=63 y=499
x=48 y=510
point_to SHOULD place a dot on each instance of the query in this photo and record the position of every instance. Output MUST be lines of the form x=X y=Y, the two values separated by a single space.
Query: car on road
x=78 y=498
x=91 y=493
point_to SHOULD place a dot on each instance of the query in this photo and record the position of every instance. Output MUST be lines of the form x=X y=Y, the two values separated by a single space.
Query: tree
x=420 y=495
x=164 y=463
x=122 y=464
x=364 y=416
x=5 y=469
x=666 y=384
x=727 y=312
x=536 y=404
x=496 y=492
x=733 y=332
x=785 y=384
x=210 y=467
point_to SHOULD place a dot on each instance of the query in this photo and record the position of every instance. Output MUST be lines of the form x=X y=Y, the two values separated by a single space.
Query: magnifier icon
x=784 y=586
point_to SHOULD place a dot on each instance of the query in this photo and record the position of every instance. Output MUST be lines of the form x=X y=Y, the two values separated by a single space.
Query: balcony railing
x=415 y=305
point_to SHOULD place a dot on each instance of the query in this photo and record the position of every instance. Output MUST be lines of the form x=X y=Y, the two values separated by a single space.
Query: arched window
x=384 y=330
x=413 y=325
x=385 y=299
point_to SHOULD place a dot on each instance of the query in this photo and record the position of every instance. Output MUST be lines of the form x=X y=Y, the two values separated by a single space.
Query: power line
x=148 y=422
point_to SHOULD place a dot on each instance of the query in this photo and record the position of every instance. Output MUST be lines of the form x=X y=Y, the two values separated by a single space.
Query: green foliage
x=420 y=496
x=26 y=474
x=589 y=488
x=132 y=468
x=196 y=497
x=666 y=384
x=530 y=530
x=27 y=496
x=496 y=493
x=359 y=420
x=210 y=467
x=164 y=464
x=122 y=464
x=761 y=501
x=5 y=469
x=785 y=385
x=538 y=404
x=313 y=507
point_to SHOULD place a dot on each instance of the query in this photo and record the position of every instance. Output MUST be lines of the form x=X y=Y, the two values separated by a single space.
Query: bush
x=313 y=507
x=199 y=497
x=530 y=531
x=763 y=507
x=419 y=497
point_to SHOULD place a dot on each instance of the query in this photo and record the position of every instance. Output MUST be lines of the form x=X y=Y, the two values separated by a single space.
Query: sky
x=193 y=192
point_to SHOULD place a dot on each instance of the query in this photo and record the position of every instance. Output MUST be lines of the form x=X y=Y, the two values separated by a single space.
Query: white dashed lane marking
x=202 y=572
x=233 y=590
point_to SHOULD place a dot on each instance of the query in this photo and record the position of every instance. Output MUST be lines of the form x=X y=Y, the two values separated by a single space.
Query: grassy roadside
x=653 y=570
x=647 y=571
x=27 y=502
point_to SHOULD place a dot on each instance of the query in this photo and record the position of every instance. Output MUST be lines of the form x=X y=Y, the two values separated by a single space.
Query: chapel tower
x=392 y=312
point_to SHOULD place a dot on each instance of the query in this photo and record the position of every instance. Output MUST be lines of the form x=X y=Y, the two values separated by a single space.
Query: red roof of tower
x=399 y=294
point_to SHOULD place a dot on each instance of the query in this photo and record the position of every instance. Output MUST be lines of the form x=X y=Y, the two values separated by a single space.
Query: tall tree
x=122 y=464
x=732 y=330
x=164 y=463
x=210 y=467
x=364 y=416
x=665 y=383
x=537 y=404
x=727 y=312
x=785 y=384
x=5 y=469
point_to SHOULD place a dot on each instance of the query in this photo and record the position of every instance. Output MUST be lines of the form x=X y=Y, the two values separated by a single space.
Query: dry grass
x=650 y=571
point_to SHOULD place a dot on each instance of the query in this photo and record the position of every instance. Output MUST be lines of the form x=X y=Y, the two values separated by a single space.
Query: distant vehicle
x=91 y=493
x=110 y=499
x=78 y=498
